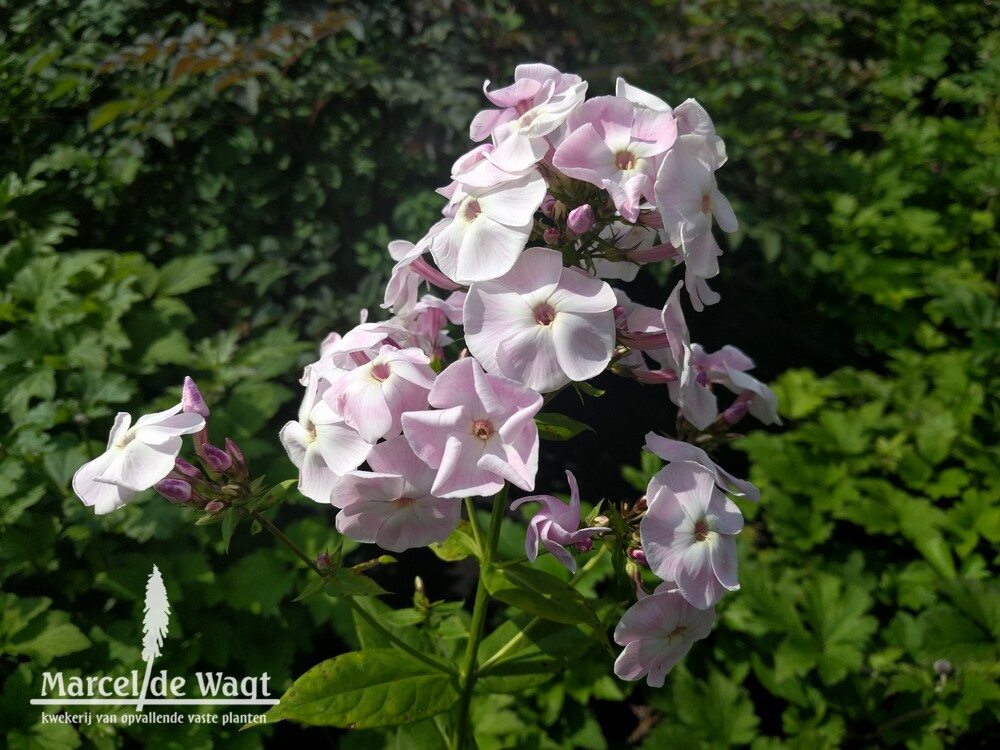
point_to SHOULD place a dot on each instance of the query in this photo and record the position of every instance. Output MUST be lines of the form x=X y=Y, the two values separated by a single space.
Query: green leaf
x=229 y=522
x=559 y=426
x=274 y=495
x=586 y=388
x=108 y=112
x=315 y=586
x=370 y=638
x=348 y=582
x=458 y=546
x=47 y=637
x=361 y=689
x=539 y=594
x=186 y=273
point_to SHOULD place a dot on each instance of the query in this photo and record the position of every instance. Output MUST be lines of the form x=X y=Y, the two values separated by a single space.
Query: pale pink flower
x=534 y=110
x=136 y=458
x=639 y=97
x=688 y=198
x=677 y=450
x=691 y=393
x=373 y=396
x=688 y=533
x=614 y=144
x=320 y=444
x=488 y=229
x=392 y=505
x=481 y=432
x=429 y=321
x=556 y=525
x=410 y=271
x=360 y=345
x=728 y=367
x=541 y=324
x=657 y=632
x=692 y=118
x=477 y=169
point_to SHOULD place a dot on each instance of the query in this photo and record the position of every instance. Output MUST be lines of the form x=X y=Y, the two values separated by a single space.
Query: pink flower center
x=403 y=502
x=381 y=371
x=701 y=530
x=706 y=204
x=483 y=429
x=545 y=314
x=625 y=160
x=470 y=210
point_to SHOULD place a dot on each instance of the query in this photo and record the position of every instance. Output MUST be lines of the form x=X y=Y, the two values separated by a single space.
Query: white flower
x=137 y=457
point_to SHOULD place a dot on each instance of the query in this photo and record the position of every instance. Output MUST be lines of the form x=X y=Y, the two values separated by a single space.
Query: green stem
x=467 y=674
x=357 y=608
x=522 y=634
x=477 y=535
x=284 y=539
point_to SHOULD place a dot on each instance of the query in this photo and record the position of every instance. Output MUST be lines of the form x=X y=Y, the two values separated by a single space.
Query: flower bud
x=739 y=408
x=324 y=562
x=585 y=545
x=214 y=507
x=176 y=491
x=240 y=470
x=942 y=667
x=552 y=236
x=601 y=521
x=548 y=203
x=639 y=555
x=581 y=219
x=183 y=467
x=215 y=458
x=191 y=400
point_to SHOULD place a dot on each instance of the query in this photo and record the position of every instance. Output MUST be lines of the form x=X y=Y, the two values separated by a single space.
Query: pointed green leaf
x=559 y=427
x=361 y=689
x=539 y=594
x=186 y=273
x=229 y=522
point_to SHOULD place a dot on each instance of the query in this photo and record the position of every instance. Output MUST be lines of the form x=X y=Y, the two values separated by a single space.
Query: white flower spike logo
x=155 y=621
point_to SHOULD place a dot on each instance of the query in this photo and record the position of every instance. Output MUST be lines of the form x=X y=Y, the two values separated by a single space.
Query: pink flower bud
x=942 y=667
x=214 y=507
x=183 y=467
x=552 y=236
x=191 y=399
x=639 y=555
x=215 y=458
x=240 y=469
x=585 y=545
x=324 y=562
x=581 y=219
x=548 y=204
x=176 y=491
x=737 y=411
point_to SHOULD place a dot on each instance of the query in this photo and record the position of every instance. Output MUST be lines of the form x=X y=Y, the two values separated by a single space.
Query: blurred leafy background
x=207 y=188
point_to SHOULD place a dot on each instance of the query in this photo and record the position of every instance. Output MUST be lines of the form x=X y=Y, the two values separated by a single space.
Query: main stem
x=467 y=674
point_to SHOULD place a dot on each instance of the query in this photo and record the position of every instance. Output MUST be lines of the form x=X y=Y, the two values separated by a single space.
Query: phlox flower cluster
x=562 y=196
